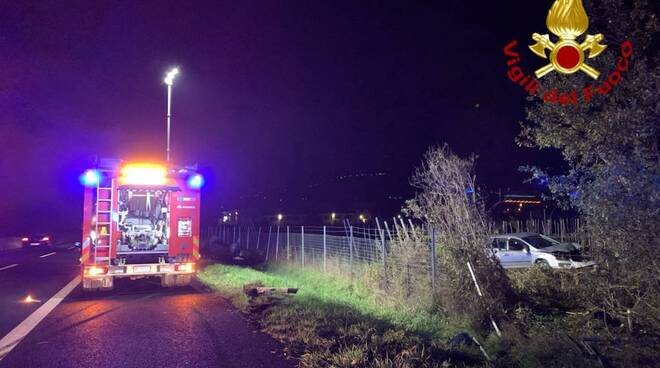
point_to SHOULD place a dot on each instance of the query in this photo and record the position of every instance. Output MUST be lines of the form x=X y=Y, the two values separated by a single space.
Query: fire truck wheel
x=183 y=280
x=167 y=280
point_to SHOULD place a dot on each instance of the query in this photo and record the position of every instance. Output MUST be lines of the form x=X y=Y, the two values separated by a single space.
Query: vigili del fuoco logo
x=568 y=22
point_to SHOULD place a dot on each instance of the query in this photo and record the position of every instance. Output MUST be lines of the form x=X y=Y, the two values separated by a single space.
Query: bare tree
x=448 y=199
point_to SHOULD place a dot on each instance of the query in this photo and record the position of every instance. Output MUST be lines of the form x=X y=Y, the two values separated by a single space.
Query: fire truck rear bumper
x=139 y=270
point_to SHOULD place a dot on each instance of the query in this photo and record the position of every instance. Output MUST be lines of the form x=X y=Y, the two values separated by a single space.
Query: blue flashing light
x=469 y=191
x=196 y=181
x=90 y=178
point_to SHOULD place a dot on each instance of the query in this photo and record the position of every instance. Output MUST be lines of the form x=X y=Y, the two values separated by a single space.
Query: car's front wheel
x=542 y=263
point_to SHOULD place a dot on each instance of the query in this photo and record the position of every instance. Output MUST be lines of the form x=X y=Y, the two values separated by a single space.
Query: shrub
x=448 y=200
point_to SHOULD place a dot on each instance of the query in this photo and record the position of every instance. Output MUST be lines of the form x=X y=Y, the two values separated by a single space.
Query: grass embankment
x=332 y=322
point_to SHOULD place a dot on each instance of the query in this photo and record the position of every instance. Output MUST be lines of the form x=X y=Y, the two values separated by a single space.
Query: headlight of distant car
x=24 y=239
x=45 y=238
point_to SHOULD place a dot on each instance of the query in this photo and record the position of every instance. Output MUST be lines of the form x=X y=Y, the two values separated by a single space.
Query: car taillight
x=25 y=239
x=185 y=267
x=45 y=238
x=95 y=271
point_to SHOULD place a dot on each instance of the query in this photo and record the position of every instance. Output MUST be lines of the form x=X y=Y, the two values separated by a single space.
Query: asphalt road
x=139 y=324
x=26 y=272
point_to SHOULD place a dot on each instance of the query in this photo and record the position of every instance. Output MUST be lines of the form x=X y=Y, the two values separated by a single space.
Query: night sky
x=275 y=99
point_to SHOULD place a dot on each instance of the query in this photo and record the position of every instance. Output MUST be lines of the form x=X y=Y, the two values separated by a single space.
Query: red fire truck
x=139 y=220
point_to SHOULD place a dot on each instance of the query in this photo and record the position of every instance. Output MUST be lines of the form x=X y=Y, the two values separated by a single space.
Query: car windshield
x=540 y=241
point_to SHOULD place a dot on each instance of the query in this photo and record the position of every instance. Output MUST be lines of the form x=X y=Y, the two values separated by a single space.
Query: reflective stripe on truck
x=152 y=269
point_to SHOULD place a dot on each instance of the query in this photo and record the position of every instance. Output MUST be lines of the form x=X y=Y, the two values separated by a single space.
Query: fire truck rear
x=140 y=220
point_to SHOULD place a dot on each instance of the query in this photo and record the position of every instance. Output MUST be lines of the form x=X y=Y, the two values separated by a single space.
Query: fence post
x=324 y=250
x=302 y=235
x=239 y=237
x=433 y=257
x=288 y=249
x=397 y=230
x=364 y=238
x=381 y=234
x=277 y=242
x=350 y=246
x=270 y=228
x=403 y=226
x=474 y=278
x=388 y=231
x=373 y=244
x=233 y=238
x=247 y=240
x=412 y=229
x=258 y=237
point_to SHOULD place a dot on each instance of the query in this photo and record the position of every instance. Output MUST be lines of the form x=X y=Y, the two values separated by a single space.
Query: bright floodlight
x=143 y=174
x=169 y=78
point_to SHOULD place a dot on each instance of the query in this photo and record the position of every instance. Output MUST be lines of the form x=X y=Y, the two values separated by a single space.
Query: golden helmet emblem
x=567 y=20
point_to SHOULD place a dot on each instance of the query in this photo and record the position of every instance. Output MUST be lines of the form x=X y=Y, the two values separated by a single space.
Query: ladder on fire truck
x=103 y=223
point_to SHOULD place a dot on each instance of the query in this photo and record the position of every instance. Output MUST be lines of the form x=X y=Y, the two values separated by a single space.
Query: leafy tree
x=611 y=147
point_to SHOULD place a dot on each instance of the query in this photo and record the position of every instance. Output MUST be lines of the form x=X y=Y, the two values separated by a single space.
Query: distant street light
x=280 y=217
x=169 y=80
x=333 y=216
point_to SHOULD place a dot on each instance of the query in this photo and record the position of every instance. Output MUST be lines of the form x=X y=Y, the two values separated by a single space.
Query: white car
x=519 y=250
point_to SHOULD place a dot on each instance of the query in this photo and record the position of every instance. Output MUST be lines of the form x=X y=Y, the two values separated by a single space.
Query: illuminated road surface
x=23 y=272
x=139 y=324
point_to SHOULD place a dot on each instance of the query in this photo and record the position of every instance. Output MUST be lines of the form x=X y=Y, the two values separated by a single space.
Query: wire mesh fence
x=563 y=229
x=400 y=256
x=309 y=246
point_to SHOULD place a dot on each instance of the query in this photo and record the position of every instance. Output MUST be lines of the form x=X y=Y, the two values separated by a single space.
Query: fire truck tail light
x=96 y=271
x=185 y=267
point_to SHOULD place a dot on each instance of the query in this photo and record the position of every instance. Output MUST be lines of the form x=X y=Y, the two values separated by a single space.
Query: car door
x=518 y=253
x=499 y=248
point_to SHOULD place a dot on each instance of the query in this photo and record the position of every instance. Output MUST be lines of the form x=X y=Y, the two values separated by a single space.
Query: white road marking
x=8 y=267
x=14 y=337
x=47 y=255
